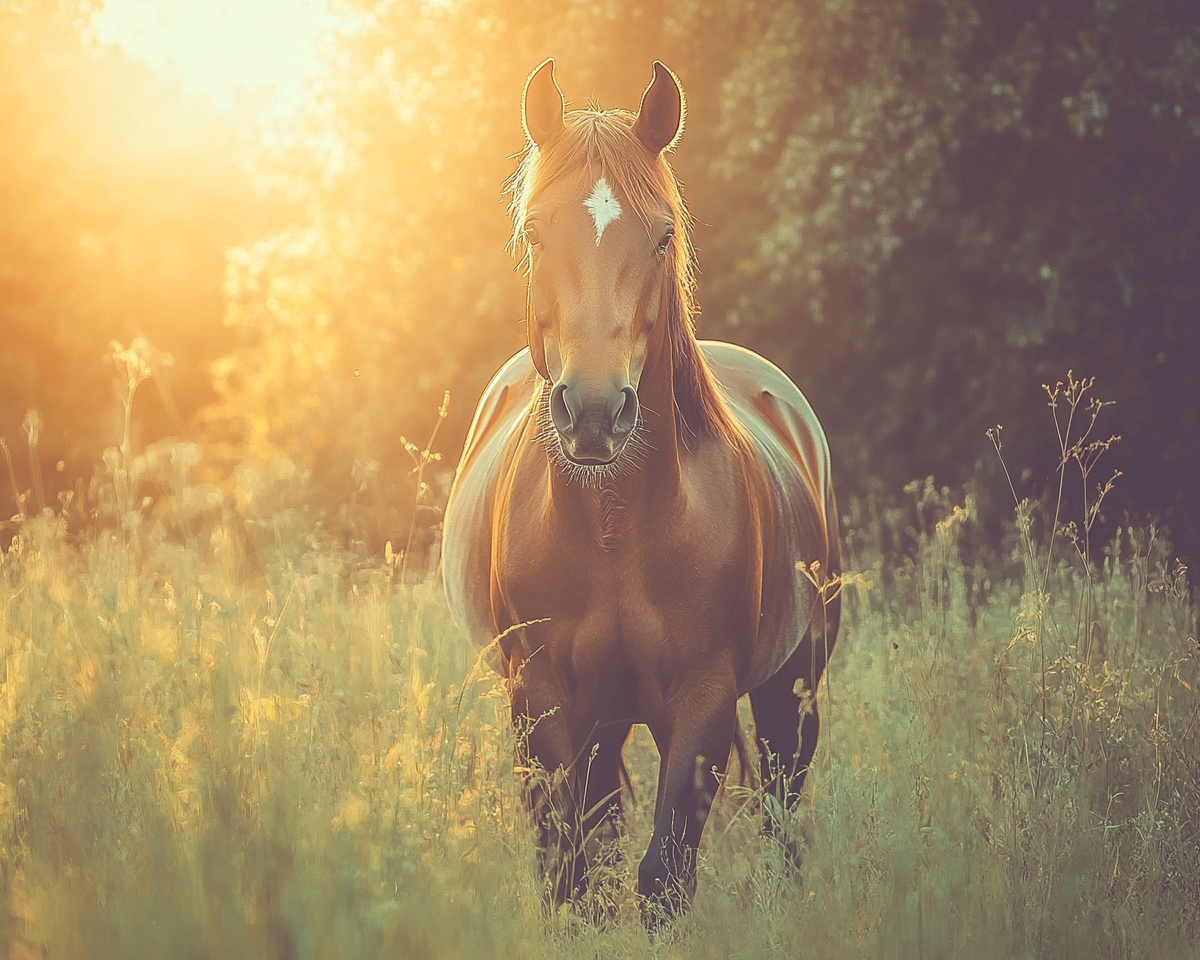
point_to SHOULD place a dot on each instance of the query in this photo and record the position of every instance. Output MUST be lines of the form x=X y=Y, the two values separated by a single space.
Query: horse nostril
x=623 y=412
x=560 y=412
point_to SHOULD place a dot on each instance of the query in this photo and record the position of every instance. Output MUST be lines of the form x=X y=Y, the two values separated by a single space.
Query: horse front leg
x=694 y=749
x=545 y=756
x=599 y=772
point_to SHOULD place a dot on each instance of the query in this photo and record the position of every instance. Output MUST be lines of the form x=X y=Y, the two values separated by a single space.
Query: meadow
x=228 y=731
x=237 y=722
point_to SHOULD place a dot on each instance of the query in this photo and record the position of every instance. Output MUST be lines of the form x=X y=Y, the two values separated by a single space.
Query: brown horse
x=640 y=501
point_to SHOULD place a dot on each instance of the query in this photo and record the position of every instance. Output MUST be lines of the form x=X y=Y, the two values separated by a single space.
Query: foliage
x=118 y=198
x=940 y=204
x=918 y=209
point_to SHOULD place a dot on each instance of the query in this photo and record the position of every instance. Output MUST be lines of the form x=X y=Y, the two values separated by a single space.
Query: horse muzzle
x=593 y=428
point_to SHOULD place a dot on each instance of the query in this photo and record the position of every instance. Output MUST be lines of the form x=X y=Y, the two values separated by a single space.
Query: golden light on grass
x=192 y=762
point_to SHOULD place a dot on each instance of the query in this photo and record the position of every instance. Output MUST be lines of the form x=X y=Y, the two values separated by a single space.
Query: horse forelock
x=602 y=142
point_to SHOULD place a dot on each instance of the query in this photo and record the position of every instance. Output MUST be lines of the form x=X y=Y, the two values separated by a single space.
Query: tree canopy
x=922 y=210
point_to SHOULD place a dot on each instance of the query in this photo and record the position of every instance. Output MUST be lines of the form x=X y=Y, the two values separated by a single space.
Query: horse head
x=598 y=215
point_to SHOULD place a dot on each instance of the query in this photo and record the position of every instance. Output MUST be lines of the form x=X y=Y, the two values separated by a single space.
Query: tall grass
x=213 y=751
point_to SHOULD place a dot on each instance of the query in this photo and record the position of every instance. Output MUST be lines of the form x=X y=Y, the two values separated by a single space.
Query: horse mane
x=604 y=138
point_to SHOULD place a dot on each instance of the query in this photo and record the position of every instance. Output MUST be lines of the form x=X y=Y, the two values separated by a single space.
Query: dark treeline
x=921 y=210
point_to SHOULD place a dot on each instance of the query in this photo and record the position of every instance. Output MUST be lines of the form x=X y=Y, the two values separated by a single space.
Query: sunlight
x=219 y=48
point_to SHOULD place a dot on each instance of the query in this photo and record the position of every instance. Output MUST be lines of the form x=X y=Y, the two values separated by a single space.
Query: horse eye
x=531 y=235
x=665 y=243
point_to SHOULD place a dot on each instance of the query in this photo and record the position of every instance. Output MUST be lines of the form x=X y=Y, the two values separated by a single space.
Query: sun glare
x=220 y=48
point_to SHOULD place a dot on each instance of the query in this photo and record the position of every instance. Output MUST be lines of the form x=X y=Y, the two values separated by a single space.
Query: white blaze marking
x=603 y=206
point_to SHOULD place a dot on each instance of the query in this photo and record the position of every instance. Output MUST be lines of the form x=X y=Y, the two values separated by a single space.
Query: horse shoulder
x=505 y=391
x=467 y=531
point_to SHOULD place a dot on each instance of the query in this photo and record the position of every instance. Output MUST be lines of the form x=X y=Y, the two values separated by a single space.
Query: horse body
x=628 y=515
x=610 y=563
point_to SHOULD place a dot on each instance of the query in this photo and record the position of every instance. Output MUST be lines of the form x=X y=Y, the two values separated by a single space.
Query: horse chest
x=608 y=560
x=590 y=566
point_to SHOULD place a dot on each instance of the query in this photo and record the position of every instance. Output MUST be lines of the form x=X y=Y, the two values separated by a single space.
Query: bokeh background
x=921 y=209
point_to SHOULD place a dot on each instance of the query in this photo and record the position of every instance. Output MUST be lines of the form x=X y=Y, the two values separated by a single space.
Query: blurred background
x=921 y=209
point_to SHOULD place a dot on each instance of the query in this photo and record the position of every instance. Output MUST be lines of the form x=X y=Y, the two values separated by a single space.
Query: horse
x=642 y=524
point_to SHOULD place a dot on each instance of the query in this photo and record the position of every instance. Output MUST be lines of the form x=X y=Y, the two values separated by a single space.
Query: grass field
x=213 y=751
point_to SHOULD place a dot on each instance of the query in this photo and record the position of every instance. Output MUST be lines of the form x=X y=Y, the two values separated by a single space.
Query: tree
x=922 y=210
x=950 y=203
x=118 y=197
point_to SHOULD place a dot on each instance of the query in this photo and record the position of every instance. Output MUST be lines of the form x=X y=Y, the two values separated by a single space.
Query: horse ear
x=542 y=105
x=659 y=122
